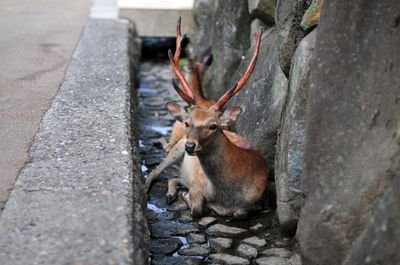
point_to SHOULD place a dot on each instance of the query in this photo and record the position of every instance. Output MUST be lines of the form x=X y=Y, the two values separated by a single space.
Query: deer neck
x=216 y=160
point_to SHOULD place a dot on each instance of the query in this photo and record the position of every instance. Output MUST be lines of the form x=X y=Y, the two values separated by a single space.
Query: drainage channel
x=175 y=237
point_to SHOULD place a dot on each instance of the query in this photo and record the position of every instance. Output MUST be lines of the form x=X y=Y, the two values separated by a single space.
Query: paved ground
x=36 y=45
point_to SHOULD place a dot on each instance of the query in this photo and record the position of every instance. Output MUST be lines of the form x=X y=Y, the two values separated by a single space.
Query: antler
x=179 y=41
x=187 y=93
x=231 y=92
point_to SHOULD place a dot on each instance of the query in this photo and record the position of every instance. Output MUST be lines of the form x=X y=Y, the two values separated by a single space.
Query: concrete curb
x=80 y=200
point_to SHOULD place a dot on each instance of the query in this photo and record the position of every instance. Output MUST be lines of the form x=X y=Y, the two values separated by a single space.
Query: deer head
x=204 y=125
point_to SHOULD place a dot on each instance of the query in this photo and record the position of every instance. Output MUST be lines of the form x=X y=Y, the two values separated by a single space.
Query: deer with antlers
x=220 y=168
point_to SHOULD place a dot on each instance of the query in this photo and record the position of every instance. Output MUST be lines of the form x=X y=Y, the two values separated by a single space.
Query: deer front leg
x=173 y=185
x=175 y=155
x=195 y=201
x=178 y=132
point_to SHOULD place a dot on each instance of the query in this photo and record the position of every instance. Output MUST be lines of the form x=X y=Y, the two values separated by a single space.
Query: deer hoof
x=196 y=212
x=171 y=198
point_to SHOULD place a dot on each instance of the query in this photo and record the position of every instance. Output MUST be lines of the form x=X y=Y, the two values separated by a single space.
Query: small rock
x=277 y=252
x=272 y=261
x=295 y=259
x=226 y=231
x=257 y=227
x=220 y=243
x=185 y=217
x=165 y=246
x=167 y=229
x=255 y=241
x=162 y=260
x=284 y=242
x=194 y=250
x=228 y=259
x=196 y=238
x=206 y=221
x=247 y=251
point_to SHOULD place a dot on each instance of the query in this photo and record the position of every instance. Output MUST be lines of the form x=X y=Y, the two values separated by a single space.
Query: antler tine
x=179 y=40
x=180 y=76
x=174 y=60
x=182 y=94
x=231 y=92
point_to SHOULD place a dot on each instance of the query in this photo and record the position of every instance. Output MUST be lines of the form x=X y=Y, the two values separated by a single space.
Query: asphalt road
x=37 y=39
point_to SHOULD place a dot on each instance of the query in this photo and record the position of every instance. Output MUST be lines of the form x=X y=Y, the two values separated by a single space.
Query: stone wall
x=352 y=151
x=323 y=105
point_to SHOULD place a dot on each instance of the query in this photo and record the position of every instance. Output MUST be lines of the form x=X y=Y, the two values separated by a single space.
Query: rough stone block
x=230 y=41
x=272 y=261
x=247 y=251
x=289 y=159
x=288 y=17
x=227 y=231
x=352 y=147
x=262 y=98
x=255 y=241
x=263 y=10
x=228 y=259
x=204 y=12
x=220 y=243
x=379 y=243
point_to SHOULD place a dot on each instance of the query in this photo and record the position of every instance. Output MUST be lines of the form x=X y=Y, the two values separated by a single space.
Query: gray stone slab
x=220 y=243
x=272 y=261
x=255 y=241
x=223 y=258
x=289 y=158
x=247 y=251
x=80 y=199
x=226 y=231
x=352 y=150
x=262 y=99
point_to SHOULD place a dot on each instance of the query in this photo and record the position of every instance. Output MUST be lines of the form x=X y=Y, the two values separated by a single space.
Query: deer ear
x=230 y=116
x=177 y=111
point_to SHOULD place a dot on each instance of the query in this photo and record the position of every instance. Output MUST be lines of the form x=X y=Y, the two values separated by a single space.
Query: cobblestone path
x=175 y=237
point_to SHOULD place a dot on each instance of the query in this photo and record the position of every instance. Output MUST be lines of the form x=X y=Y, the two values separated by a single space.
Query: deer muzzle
x=190 y=147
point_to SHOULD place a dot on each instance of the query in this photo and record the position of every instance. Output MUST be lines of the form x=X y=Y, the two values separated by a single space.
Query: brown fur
x=192 y=175
x=238 y=174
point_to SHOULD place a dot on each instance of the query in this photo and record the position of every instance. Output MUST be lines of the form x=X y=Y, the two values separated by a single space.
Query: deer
x=201 y=187
x=175 y=148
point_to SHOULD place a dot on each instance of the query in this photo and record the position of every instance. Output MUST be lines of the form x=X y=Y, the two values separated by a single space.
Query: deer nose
x=189 y=147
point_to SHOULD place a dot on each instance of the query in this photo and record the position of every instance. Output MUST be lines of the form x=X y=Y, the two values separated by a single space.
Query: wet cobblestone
x=176 y=237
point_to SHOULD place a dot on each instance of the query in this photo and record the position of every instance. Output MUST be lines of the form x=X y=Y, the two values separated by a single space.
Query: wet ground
x=175 y=237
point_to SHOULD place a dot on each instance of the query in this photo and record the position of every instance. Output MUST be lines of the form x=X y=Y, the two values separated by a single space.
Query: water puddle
x=154 y=208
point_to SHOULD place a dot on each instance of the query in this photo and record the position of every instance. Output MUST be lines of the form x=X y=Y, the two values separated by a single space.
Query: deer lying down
x=191 y=171
x=236 y=177
x=227 y=174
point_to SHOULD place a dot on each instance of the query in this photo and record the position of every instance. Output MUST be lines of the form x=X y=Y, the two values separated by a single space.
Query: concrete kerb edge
x=19 y=245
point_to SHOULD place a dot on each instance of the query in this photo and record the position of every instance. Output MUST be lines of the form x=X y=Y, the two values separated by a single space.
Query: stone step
x=79 y=199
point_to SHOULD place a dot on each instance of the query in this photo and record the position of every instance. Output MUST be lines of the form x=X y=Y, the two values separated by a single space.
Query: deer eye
x=186 y=124
x=213 y=127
